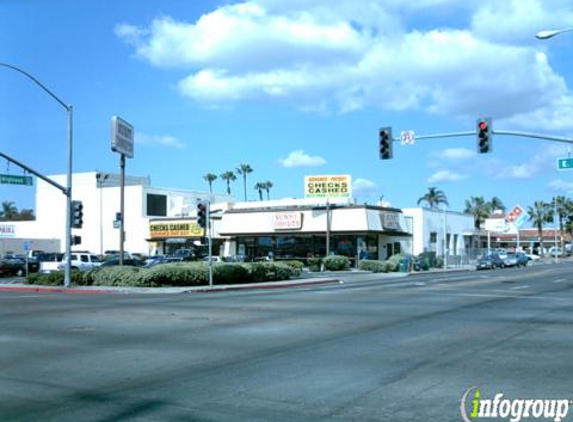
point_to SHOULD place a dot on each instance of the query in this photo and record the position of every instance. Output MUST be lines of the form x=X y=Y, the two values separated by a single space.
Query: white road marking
x=19 y=297
x=520 y=287
x=561 y=280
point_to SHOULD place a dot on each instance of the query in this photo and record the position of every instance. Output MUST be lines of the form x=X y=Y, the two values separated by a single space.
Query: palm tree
x=563 y=206
x=243 y=170
x=9 y=210
x=479 y=208
x=496 y=204
x=539 y=214
x=433 y=198
x=210 y=178
x=260 y=186
x=228 y=176
x=268 y=185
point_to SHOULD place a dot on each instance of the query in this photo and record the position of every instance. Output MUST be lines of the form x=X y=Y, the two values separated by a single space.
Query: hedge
x=336 y=263
x=175 y=274
x=373 y=265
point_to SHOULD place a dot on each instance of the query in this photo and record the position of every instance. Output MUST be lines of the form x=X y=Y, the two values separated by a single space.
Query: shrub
x=336 y=263
x=268 y=271
x=373 y=265
x=115 y=276
x=314 y=264
x=227 y=273
x=55 y=278
x=296 y=266
x=178 y=274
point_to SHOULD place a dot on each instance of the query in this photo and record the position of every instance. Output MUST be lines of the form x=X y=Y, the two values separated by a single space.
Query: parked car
x=50 y=262
x=555 y=251
x=81 y=261
x=17 y=266
x=163 y=260
x=130 y=262
x=516 y=259
x=490 y=261
x=214 y=258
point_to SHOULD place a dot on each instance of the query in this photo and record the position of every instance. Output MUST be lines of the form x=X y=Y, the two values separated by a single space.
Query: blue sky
x=293 y=88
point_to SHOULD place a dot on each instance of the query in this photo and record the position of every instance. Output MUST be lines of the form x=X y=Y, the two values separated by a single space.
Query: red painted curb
x=53 y=290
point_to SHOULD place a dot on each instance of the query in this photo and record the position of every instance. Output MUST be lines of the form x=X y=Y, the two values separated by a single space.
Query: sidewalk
x=27 y=288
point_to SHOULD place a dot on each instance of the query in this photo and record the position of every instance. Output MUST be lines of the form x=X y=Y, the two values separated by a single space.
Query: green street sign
x=565 y=163
x=9 y=179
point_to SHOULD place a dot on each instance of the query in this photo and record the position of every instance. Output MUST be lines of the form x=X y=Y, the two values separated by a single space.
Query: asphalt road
x=365 y=350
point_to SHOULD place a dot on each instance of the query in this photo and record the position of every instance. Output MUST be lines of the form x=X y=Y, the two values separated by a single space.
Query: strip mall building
x=160 y=221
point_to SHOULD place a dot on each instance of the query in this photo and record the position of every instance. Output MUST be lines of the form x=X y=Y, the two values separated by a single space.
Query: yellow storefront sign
x=168 y=229
x=329 y=186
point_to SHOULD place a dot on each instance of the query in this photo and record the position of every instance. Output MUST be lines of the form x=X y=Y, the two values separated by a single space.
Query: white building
x=100 y=195
x=442 y=232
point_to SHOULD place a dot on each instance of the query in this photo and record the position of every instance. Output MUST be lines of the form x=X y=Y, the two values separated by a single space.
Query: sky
x=293 y=88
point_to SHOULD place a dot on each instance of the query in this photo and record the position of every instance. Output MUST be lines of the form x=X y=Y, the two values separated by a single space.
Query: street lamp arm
x=546 y=34
x=37 y=82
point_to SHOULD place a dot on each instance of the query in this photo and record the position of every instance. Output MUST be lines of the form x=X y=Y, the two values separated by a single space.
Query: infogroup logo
x=474 y=407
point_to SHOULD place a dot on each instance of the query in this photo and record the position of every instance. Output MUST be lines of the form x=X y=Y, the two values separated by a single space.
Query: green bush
x=116 y=276
x=177 y=274
x=373 y=265
x=314 y=264
x=227 y=273
x=54 y=278
x=336 y=263
x=296 y=266
x=268 y=271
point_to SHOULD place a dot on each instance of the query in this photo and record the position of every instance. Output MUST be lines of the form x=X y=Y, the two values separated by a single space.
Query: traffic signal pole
x=210 y=240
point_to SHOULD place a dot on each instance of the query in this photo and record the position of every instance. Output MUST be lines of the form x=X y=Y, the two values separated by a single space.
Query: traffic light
x=77 y=214
x=76 y=240
x=385 y=138
x=484 y=138
x=202 y=215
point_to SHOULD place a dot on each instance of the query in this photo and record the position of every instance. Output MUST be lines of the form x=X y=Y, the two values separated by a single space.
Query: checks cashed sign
x=328 y=186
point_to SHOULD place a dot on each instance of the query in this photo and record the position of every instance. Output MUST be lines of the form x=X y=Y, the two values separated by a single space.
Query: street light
x=68 y=191
x=550 y=33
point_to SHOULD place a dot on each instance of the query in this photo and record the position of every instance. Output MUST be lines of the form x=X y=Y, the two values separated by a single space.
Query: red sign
x=514 y=214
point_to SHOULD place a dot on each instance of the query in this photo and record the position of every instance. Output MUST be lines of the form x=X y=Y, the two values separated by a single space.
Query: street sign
x=407 y=137
x=122 y=135
x=565 y=163
x=15 y=180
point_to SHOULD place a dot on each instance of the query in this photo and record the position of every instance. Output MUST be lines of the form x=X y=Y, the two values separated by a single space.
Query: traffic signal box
x=385 y=139
x=484 y=135
x=77 y=214
x=202 y=215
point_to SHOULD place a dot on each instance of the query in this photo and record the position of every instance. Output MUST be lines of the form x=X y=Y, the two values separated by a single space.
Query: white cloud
x=561 y=185
x=158 y=140
x=544 y=160
x=446 y=176
x=455 y=154
x=364 y=187
x=299 y=158
x=345 y=58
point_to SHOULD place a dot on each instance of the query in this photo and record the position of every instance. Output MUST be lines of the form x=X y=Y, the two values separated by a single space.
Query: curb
x=166 y=290
x=262 y=286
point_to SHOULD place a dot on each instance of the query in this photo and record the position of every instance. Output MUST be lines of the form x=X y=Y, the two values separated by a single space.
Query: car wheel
x=20 y=272
x=501 y=265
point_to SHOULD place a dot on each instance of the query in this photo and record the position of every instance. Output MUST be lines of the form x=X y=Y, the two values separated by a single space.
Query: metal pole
x=208 y=228
x=327 y=227
x=121 y=207
x=555 y=228
x=68 y=190
x=445 y=240
x=68 y=268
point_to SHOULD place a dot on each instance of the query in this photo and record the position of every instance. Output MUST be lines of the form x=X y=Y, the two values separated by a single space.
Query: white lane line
x=561 y=280
x=20 y=297
x=520 y=287
x=508 y=296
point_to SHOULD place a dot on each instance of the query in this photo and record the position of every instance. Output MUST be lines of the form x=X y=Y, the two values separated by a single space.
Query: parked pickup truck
x=79 y=261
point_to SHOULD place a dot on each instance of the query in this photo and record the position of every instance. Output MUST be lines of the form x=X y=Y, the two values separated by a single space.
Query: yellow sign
x=178 y=228
x=329 y=186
